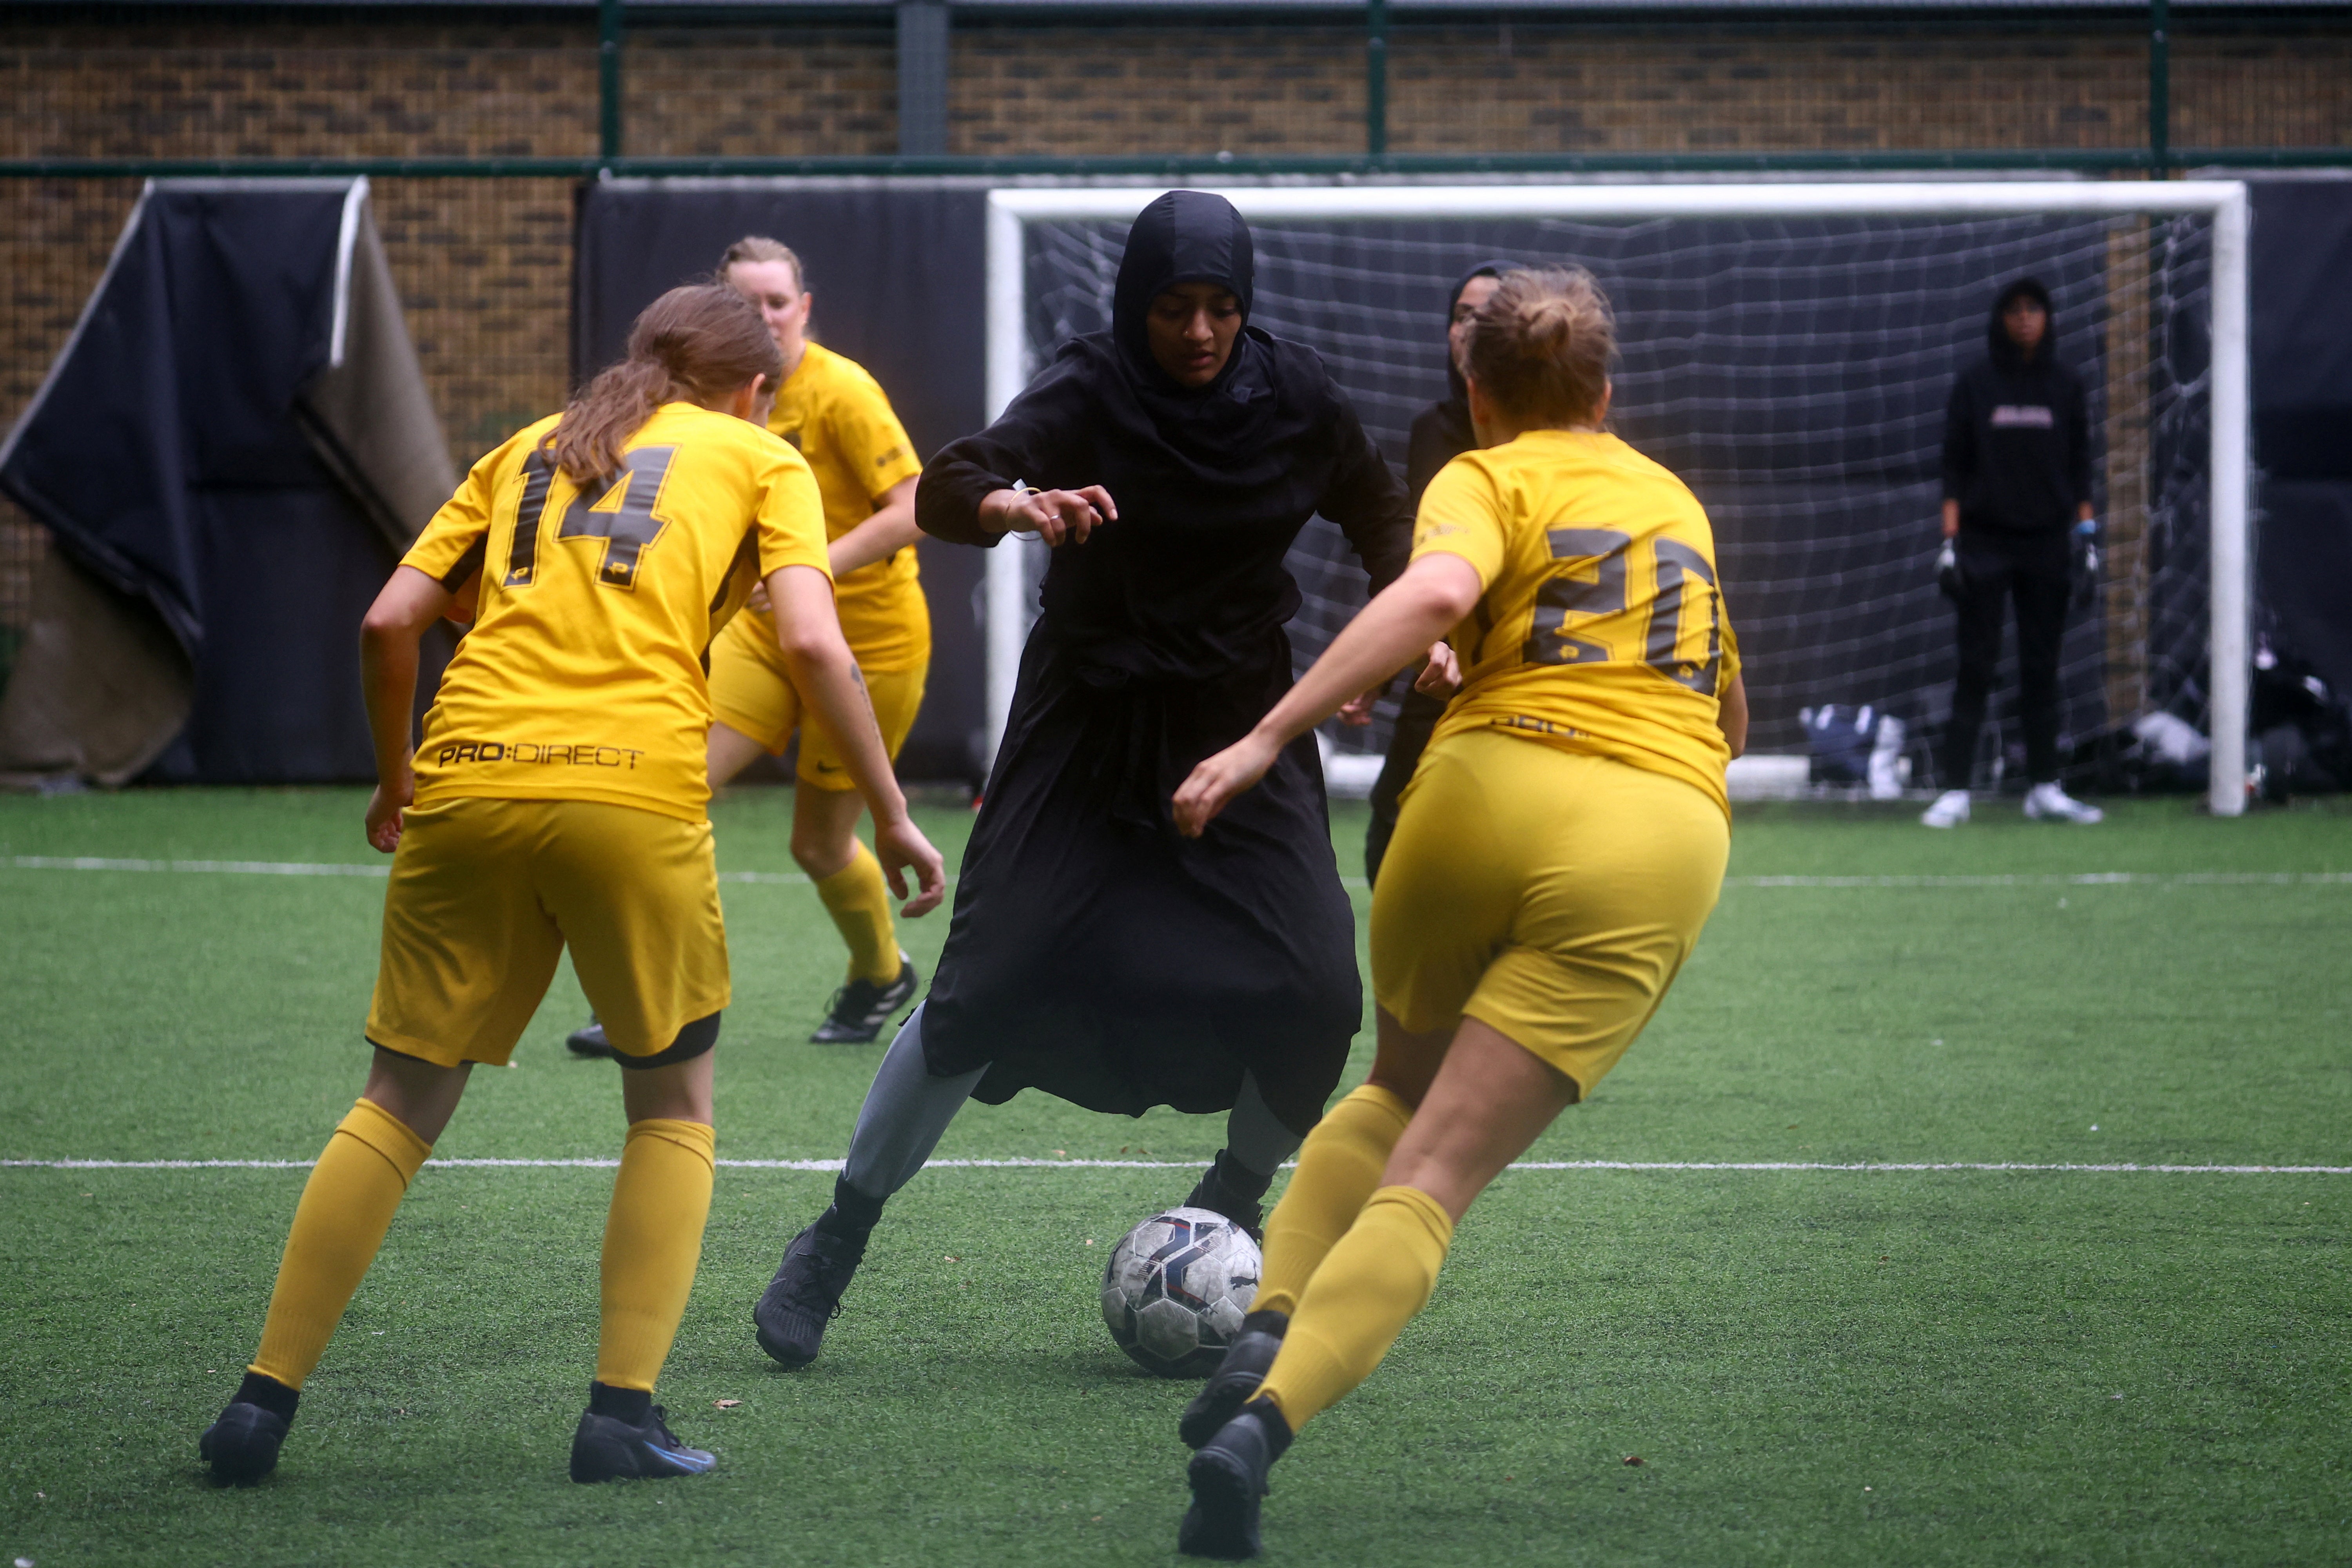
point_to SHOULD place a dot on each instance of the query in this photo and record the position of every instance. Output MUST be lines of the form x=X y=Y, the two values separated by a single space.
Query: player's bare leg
x=653 y=1240
x=1488 y=1101
x=1339 y=1170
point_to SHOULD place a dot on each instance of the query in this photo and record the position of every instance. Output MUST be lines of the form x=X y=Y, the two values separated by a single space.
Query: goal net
x=1788 y=354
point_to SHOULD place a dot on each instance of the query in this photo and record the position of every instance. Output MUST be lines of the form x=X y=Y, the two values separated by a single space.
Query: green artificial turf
x=1814 y=1366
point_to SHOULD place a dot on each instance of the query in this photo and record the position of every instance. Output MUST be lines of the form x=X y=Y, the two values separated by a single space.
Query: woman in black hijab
x=1096 y=953
x=1440 y=433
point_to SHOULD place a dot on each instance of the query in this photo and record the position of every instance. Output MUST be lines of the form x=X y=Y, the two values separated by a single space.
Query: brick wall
x=265 y=86
x=1075 y=91
x=1525 y=88
x=694 y=92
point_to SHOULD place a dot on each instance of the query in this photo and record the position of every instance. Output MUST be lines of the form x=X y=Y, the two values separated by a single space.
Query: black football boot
x=1228 y=1478
x=791 y=1313
x=588 y=1040
x=860 y=1008
x=624 y=1435
x=242 y=1444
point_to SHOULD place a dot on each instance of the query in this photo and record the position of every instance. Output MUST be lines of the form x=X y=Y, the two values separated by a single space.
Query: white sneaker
x=1951 y=809
x=2048 y=800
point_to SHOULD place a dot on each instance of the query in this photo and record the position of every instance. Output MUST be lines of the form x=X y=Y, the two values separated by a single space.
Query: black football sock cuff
x=634 y=1406
x=1266 y=1322
x=1237 y=1179
x=853 y=1214
x=272 y=1396
x=1277 y=1431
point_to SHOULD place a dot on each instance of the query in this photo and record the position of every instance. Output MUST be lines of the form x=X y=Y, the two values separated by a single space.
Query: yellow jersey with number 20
x=581 y=678
x=1602 y=627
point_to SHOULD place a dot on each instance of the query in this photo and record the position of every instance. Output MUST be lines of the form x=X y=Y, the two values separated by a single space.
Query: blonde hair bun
x=1539 y=347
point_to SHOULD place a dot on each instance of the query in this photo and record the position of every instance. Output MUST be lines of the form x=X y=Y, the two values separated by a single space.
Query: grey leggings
x=907 y=1110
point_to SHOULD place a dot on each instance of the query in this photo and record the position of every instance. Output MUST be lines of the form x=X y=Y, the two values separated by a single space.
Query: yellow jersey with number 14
x=1602 y=627
x=581 y=678
x=835 y=416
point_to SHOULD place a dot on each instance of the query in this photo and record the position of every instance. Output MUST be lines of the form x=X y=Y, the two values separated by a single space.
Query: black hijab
x=1458 y=389
x=1441 y=432
x=1234 y=424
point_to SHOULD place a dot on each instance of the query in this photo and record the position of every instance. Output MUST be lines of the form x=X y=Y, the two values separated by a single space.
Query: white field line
x=2119 y=1168
x=295 y=867
x=798 y=878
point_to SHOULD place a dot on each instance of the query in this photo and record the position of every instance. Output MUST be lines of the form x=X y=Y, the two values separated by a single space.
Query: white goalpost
x=1011 y=360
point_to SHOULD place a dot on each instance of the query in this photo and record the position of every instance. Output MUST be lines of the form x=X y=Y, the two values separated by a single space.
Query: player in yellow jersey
x=835 y=416
x=558 y=799
x=1559 y=848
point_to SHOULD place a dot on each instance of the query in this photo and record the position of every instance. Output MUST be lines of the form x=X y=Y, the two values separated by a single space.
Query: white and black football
x=1176 y=1289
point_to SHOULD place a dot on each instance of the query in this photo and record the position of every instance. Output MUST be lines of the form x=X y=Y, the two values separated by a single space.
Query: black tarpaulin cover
x=230 y=453
x=2303 y=417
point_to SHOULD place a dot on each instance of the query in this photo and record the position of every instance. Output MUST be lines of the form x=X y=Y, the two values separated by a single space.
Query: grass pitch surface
x=1813 y=1365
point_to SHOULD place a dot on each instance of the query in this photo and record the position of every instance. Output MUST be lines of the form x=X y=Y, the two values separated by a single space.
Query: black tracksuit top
x=2017 y=440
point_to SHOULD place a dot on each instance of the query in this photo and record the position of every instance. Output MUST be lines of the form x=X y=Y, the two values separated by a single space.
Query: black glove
x=2086 y=566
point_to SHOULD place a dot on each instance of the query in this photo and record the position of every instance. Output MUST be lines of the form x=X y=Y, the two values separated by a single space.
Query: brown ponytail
x=1539 y=347
x=690 y=345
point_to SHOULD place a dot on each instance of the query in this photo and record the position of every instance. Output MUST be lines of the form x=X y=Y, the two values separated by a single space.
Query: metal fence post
x=1376 y=79
x=608 y=79
x=922 y=78
x=2159 y=86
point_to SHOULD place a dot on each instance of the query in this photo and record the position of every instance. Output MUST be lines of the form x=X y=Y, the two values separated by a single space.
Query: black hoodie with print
x=2017 y=443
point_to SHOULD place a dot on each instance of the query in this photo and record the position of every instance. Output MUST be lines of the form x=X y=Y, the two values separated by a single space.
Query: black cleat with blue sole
x=612 y=1448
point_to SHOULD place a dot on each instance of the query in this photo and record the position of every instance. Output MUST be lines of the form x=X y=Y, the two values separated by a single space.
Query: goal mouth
x=1786 y=348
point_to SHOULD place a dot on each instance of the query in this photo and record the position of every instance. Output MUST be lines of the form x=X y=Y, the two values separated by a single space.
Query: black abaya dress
x=1094 y=951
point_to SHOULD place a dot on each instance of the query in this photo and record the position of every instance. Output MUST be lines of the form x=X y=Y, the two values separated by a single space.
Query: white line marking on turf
x=2119 y=1168
x=295 y=867
x=800 y=880
x=2067 y=879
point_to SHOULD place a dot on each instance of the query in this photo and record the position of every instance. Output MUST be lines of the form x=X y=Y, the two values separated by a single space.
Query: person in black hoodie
x=2017 y=482
x=1440 y=433
x=1096 y=953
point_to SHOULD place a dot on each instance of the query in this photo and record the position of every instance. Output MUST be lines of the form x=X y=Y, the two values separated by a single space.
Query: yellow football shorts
x=751 y=694
x=1548 y=894
x=484 y=896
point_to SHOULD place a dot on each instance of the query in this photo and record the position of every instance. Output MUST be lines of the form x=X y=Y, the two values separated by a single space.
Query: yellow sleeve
x=789 y=522
x=450 y=549
x=868 y=433
x=1462 y=513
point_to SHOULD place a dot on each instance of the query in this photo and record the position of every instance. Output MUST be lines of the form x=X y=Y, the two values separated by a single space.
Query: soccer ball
x=1176 y=1288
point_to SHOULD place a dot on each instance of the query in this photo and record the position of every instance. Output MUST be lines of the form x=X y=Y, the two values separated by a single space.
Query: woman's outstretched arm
x=966 y=494
x=1395 y=628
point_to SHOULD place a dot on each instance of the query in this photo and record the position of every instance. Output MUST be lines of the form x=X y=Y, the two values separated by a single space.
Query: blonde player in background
x=1557 y=851
x=837 y=418
x=560 y=800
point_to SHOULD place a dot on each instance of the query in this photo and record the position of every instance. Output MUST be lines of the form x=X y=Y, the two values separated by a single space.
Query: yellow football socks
x=859 y=902
x=1376 y=1278
x=346 y=1207
x=1339 y=1167
x=652 y=1239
